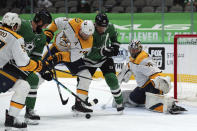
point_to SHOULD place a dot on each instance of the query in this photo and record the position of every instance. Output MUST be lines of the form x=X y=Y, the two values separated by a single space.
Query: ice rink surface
x=58 y=117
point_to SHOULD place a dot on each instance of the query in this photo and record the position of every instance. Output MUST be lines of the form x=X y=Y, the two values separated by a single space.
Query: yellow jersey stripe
x=8 y=76
x=82 y=92
x=11 y=32
x=65 y=56
x=52 y=27
x=155 y=75
x=17 y=105
x=33 y=65
x=139 y=58
x=147 y=83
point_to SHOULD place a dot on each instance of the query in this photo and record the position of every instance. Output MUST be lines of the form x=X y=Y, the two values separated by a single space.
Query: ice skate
x=12 y=123
x=80 y=109
x=120 y=108
x=176 y=109
x=31 y=118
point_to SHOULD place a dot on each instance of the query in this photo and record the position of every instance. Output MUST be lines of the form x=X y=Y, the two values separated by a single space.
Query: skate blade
x=31 y=122
x=120 y=112
x=15 y=129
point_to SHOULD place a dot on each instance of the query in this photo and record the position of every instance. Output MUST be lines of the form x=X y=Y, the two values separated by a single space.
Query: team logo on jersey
x=64 y=41
x=23 y=47
x=158 y=55
x=29 y=46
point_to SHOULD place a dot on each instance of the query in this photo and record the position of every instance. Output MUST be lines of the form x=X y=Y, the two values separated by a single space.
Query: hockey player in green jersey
x=35 y=41
x=105 y=45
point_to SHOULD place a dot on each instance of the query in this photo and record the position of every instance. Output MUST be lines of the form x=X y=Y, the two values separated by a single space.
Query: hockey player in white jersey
x=12 y=48
x=151 y=83
x=75 y=39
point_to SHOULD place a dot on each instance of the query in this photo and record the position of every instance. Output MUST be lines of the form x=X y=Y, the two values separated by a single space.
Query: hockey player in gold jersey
x=152 y=85
x=12 y=48
x=74 y=39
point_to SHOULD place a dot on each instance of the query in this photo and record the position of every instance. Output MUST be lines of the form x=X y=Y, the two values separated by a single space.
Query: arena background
x=153 y=22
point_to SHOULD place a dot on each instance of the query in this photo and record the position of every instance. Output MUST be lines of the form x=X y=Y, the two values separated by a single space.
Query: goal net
x=185 y=67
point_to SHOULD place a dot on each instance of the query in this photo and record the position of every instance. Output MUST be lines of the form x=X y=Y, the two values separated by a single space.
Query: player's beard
x=38 y=29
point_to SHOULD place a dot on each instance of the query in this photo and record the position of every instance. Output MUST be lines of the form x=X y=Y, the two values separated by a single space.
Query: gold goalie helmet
x=134 y=48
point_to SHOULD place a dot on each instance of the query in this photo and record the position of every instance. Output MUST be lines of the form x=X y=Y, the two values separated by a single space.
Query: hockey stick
x=64 y=102
x=95 y=101
x=106 y=38
x=98 y=79
x=73 y=74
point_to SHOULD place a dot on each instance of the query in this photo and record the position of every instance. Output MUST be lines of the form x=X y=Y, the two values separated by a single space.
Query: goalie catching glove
x=110 y=51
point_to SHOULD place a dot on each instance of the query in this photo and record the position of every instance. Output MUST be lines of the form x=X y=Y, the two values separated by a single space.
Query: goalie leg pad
x=158 y=103
x=162 y=83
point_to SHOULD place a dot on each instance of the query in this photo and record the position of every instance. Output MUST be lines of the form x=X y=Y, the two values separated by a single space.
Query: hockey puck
x=95 y=101
x=88 y=116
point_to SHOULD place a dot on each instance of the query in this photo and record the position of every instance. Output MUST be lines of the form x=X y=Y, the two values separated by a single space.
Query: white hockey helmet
x=87 y=27
x=11 y=19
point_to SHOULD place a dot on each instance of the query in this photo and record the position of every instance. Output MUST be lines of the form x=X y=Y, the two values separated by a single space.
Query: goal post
x=185 y=66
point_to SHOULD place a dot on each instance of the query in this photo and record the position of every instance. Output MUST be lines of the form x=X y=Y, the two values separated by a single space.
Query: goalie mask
x=135 y=48
x=10 y=20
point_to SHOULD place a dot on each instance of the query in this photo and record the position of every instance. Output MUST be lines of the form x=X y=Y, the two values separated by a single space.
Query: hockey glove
x=49 y=35
x=116 y=48
x=110 y=51
x=45 y=67
x=107 y=51
x=55 y=59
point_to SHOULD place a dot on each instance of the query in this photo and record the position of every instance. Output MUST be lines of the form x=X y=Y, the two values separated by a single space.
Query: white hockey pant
x=84 y=83
x=21 y=89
